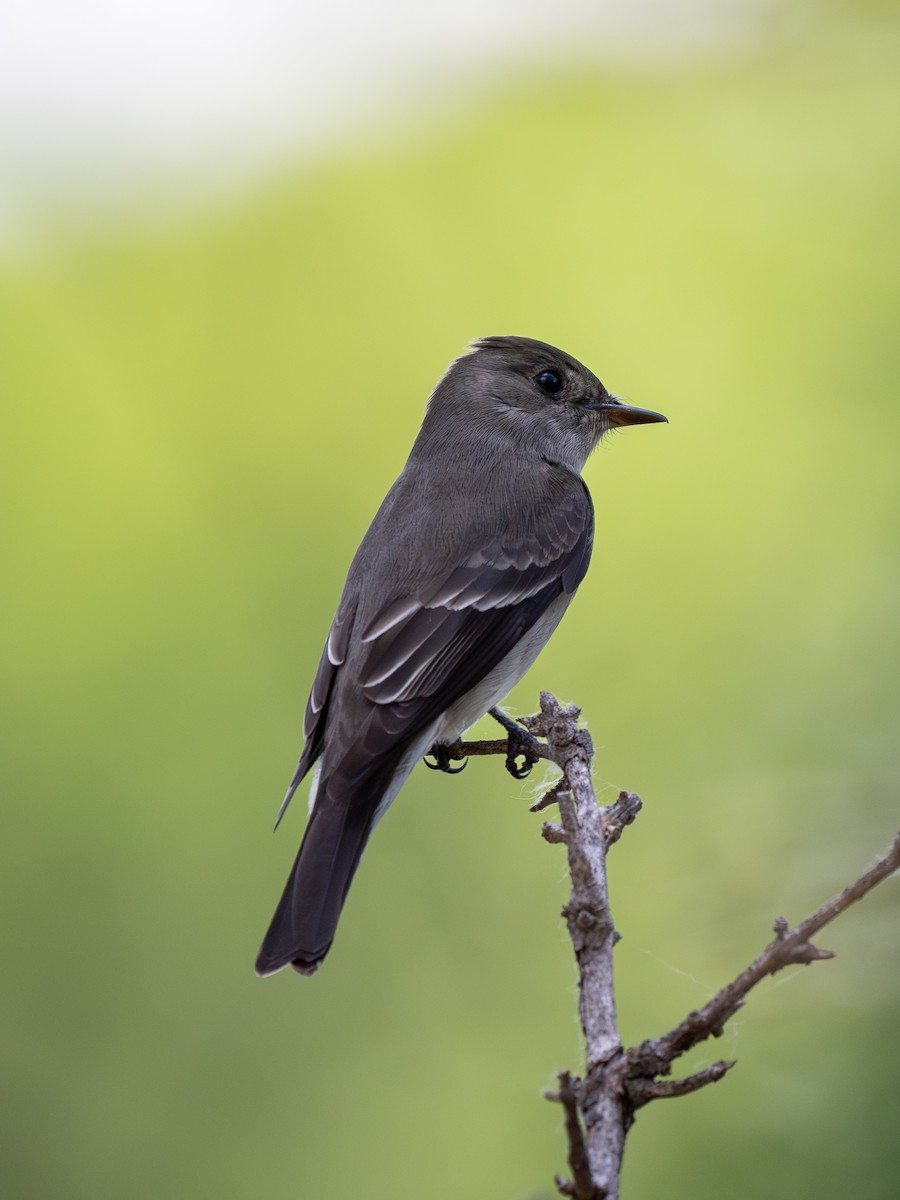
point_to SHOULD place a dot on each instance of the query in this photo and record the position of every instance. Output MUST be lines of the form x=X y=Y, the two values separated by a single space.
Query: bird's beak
x=618 y=413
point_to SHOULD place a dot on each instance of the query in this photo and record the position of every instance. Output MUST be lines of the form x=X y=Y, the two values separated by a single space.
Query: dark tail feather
x=302 y=929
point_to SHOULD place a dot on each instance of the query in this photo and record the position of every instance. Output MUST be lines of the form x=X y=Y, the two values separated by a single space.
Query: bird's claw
x=519 y=772
x=442 y=760
x=519 y=743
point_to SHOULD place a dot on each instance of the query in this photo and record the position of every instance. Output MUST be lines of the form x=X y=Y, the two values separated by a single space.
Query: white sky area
x=105 y=102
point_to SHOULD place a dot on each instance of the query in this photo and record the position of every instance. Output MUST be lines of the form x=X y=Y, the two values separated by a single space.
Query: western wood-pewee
x=463 y=575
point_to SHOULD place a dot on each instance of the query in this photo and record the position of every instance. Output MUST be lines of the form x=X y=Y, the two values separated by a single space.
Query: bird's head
x=540 y=397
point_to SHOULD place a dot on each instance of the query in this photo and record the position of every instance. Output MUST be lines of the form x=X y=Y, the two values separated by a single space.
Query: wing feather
x=428 y=649
x=463 y=627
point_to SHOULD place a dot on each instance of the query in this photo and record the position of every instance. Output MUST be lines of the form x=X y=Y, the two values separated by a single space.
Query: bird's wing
x=315 y=718
x=425 y=651
x=442 y=641
x=428 y=650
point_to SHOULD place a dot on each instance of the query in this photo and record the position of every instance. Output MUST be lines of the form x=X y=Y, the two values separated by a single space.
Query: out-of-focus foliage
x=198 y=425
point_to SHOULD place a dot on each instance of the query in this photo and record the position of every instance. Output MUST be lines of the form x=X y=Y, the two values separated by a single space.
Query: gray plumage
x=466 y=570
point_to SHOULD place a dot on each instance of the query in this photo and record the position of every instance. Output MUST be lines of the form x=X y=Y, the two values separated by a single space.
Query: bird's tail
x=306 y=918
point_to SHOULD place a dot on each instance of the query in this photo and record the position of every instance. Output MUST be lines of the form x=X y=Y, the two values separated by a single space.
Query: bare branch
x=642 y=1091
x=547 y=799
x=599 y=1108
x=790 y=946
x=587 y=832
x=490 y=746
x=581 y=1185
x=618 y=815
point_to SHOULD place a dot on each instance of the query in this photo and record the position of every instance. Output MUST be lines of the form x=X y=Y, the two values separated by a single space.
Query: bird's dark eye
x=549 y=382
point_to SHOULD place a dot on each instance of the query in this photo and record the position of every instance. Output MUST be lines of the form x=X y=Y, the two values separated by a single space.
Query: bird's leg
x=443 y=758
x=518 y=742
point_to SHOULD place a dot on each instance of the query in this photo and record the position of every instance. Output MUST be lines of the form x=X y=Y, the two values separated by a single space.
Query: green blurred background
x=201 y=419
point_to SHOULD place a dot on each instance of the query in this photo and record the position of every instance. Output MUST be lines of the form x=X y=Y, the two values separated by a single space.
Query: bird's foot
x=442 y=760
x=519 y=744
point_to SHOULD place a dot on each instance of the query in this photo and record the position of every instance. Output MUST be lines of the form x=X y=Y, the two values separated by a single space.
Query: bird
x=463 y=575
